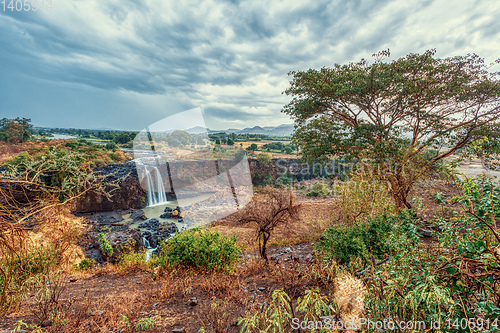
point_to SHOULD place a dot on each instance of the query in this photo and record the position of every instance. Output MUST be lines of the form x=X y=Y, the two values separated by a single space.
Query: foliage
x=118 y=137
x=318 y=190
x=457 y=284
x=277 y=209
x=130 y=261
x=216 y=316
x=58 y=172
x=146 y=323
x=359 y=239
x=105 y=246
x=363 y=196
x=85 y=265
x=201 y=249
x=471 y=262
x=15 y=130
x=20 y=269
x=279 y=146
x=386 y=115
x=253 y=147
x=111 y=146
x=264 y=159
x=277 y=317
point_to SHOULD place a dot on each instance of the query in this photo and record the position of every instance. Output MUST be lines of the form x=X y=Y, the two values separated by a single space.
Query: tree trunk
x=399 y=193
x=263 y=246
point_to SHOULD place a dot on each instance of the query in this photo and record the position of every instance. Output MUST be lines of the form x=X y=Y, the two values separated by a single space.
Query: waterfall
x=155 y=187
x=146 y=243
x=149 y=250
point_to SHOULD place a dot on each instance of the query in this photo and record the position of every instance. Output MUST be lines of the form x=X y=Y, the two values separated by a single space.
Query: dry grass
x=349 y=297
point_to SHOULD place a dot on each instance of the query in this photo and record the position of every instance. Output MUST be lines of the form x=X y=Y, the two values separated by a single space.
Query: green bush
x=344 y=243
x=253 y=147
x=264 y=159
x=318 y=190
x=85 y=265
x=111 y=146
x=106 y=247
x=131 y=262
x=72 y=145
x=20 y=272
x=201 y=249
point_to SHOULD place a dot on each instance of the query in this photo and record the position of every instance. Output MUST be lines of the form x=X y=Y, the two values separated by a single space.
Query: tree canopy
x=390 y=113
x=15 y=130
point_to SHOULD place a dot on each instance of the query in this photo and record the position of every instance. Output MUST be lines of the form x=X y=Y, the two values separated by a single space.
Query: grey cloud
x=173 y=53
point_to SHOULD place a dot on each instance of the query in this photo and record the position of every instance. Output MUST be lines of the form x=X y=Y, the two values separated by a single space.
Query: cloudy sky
x=125 y=64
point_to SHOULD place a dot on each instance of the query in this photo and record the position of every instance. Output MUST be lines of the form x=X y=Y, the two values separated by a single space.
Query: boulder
x=138 y=215
x=152 y=224
x=166 y=230
x=166 y=215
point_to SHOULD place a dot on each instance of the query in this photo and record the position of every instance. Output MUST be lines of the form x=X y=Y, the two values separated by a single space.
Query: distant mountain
x=281 y=130
x=197 y=130
x=254 y=130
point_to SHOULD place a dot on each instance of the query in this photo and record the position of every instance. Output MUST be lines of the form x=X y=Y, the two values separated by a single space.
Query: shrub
x=277 y=209
x=111 y=146
x=344 y=243
x=201 y=249
x=318 y=190
x=20 y=270
x=85 y=265
x=131 y=261
x=105 y=247
x=363 y=196
x=117 y=157
x=72 y=145
x=264 y=159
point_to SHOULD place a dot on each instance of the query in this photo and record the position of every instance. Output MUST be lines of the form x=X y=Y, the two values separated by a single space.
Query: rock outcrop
x=128 y=195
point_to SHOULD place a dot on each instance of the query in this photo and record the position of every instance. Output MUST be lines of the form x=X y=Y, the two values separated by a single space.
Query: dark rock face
x=121 y=242
x=152 y=224
x=152 y=238
x=156 y=232
x=166 y=230
x=130 y=194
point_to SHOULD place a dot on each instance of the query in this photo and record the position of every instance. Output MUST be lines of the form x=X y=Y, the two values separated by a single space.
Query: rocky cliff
x=129 y=195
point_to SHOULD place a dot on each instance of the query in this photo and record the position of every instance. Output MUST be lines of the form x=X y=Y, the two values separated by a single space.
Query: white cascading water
x=149 y=249
x=155 y=187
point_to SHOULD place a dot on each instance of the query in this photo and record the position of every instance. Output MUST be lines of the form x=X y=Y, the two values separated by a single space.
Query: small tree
x=105 y=246
x=277 y=209
x=264 y=159
x=386 y=115
x=253 y=147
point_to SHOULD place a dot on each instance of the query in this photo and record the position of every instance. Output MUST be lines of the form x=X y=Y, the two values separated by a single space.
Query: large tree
x=17 y=130
x=387 y=114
